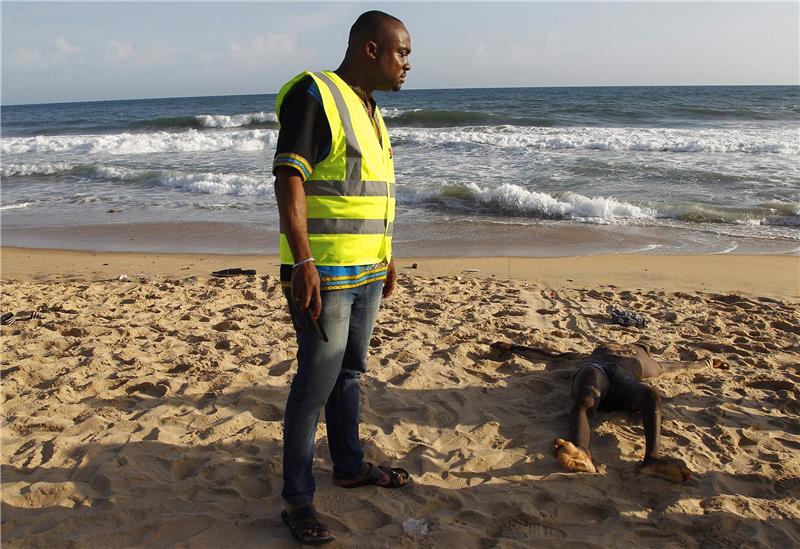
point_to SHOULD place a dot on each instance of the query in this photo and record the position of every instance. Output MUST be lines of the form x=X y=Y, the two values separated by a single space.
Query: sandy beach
x=145 y=410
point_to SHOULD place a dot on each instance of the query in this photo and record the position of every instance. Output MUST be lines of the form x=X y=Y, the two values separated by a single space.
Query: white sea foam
x=236 y=120
x=730 y=247
x=206 y=183
x=18 y=206
x=211 y=183
x=751 y=221
x=516 y=199
x=87 y=199
x=783 y=220
x=9 y=170
x=215 y=206
x=648 y=248
x=143 y=143
x=778 y=141
x=394 y=112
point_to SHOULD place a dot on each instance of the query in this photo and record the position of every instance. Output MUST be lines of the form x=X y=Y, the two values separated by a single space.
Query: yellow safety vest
x=350 y=195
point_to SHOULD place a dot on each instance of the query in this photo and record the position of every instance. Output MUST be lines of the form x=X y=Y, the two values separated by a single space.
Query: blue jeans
x=327 y=375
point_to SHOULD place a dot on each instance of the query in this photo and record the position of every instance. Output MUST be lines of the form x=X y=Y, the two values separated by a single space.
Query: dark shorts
x=616 y=376
x=600 y=367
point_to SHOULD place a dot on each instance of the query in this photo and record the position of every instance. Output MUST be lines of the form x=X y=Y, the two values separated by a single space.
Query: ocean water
x=686 y=169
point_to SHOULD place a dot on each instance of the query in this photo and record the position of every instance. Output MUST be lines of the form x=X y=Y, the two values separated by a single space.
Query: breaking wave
x=669 y=140
x=202 y=121
x=516 y=200
x=143 y=143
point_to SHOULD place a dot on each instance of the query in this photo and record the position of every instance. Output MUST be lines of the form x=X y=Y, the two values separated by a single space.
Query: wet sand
x=436 y=238
x=767 y=275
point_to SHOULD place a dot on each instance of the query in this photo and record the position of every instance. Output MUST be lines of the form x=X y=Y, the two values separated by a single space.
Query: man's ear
x=371 y=50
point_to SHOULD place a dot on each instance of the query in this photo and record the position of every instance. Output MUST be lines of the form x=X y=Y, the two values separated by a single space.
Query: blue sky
x=64 y=51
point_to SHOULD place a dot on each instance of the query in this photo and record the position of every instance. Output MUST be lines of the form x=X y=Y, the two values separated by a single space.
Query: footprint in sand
x=440 y=414
x=27 y=446
x=267 y=412
x=52 y=495
x=509 y=312
x=75 y=332
x=774 y=385
x=720 y=348
x=156 y=390
x=249 y=295
x=43 y=456
x=785 y=327
x=186 y=467
x=789 y=486
x=207 y=402
x=281 y=368
x=403 y=357
x=524 y=526
x=789 y=443
x=388 y=333
x=223 y=344
x=483 y=376
x=724 y=533
x=180 y=368
x=399 y=379
x=227 y=326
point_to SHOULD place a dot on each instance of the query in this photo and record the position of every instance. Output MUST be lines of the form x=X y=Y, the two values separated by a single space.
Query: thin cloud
x=526 y=55
x=28 y=58
x=39 y=58
x=331 y=17
x=65 y=49
x=118 y=52
x=264 y=49
x=482 y=54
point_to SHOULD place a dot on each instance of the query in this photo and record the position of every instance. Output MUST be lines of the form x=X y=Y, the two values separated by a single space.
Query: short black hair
x=369 y=25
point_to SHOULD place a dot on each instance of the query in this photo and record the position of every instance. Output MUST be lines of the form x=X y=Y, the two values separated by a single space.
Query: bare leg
x=654 y=368
x=533 y=352
x=649 y=402
x=589 y=387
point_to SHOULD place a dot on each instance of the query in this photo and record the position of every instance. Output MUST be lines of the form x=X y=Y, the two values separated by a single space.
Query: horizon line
x=411 y=89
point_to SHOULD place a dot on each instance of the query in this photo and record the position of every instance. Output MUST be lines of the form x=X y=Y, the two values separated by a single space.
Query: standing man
x=336 y=198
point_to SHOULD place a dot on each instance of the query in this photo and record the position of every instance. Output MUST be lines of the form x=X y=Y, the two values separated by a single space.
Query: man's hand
x=391 y=280
x=294 y=224
x=306 y=289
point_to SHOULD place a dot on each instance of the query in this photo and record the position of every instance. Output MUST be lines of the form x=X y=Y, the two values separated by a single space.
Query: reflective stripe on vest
x=348 y=226
x=349 y=216
x=348 y=188
x=353 y=162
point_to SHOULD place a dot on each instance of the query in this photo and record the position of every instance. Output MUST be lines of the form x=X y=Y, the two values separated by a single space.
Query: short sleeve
x=305 y=136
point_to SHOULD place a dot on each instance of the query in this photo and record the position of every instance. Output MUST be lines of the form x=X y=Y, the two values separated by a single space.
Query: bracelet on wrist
x=299 y=263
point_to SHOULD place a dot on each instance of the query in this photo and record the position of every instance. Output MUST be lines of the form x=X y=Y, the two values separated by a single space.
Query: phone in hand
x=316 y=325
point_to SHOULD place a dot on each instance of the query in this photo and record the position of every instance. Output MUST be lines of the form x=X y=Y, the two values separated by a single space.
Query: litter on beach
x=236 y=271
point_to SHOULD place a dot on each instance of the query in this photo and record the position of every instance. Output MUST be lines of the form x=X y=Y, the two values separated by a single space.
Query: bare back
x=630 y=357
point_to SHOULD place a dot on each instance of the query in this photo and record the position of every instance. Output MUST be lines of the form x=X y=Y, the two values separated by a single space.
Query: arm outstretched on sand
x=534 y=352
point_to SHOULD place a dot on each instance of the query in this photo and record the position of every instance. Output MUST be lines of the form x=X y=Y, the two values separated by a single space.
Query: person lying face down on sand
x=610 y=379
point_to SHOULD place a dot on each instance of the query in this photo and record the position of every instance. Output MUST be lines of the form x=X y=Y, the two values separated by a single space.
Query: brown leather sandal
x=397 y=477
x=305 y=526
